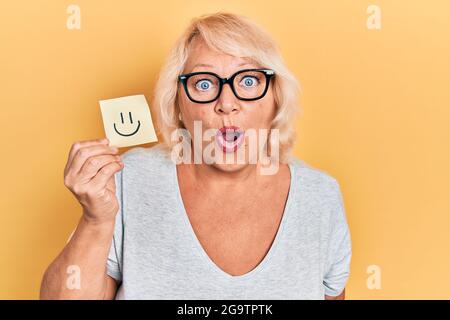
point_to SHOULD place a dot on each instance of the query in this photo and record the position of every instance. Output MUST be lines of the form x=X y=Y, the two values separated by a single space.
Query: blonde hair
x=237 y=36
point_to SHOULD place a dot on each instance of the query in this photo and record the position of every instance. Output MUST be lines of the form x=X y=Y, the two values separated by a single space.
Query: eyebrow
x=211 y=66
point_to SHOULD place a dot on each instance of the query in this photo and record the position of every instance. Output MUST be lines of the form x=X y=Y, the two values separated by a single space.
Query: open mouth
x=230 y=138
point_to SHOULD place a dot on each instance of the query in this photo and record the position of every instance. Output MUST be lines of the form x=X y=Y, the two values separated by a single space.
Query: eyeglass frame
x=268 y=73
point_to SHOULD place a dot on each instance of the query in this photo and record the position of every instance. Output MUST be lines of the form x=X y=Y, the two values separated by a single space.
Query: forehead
x=202 y=57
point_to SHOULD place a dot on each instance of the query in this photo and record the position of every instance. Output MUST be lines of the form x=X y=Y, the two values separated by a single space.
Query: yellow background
x=376 y=116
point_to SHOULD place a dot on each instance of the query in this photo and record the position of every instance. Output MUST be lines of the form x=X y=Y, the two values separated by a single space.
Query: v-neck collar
x=208 y=261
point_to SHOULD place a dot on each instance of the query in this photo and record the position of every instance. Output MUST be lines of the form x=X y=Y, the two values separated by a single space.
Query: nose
x=227 y=102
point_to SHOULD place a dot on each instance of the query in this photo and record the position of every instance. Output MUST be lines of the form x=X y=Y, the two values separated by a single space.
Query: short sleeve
x=114 y=262
x=337 y=267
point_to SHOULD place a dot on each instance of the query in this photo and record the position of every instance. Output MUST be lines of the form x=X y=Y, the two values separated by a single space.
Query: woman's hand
x=89 y=175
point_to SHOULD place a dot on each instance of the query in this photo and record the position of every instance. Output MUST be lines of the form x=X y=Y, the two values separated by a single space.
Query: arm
x=79 y=271
x=339 y=254
x=87 y=250
x=339 y=297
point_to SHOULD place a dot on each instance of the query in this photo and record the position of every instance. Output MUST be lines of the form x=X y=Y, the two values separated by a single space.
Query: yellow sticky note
x=127 y=121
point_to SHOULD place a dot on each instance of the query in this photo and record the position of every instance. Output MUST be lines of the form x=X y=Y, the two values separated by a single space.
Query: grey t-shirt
x=155 y=253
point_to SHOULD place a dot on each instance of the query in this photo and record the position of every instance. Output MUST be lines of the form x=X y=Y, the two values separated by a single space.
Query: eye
x=203 y=84
x=249 y=81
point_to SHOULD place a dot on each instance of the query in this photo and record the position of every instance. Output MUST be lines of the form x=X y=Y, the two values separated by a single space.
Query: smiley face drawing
x=131 y=121
x=127 y=121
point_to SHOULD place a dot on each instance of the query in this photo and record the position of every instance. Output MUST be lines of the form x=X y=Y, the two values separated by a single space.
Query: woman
x=156 y=227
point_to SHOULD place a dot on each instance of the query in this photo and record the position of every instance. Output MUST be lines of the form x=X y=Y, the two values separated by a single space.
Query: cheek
x=266 y=107
x=195 y=112
x=262 y=114
x=189 y=109
x=270 y=104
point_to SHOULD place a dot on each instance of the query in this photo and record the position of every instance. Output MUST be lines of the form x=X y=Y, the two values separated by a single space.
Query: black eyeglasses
x=247 y=85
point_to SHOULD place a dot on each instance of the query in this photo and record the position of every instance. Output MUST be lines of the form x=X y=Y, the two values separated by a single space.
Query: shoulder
x=141 y=157
x=155 y=153
x=144 y=161
x=319 y=194
x=315 y=181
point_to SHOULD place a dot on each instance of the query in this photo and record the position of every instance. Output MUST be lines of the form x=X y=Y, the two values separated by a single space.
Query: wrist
x=97 y=222
x=93 y=231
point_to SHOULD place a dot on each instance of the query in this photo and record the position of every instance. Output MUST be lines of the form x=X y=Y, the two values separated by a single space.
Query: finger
x=81 y=144
x=105 y=174
x=111 y=185
x=94 y=164
x=84 y=153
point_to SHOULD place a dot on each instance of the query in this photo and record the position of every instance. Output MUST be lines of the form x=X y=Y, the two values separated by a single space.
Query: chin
x=232 y=167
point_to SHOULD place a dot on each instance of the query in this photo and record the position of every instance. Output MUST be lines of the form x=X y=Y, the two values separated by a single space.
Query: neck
x=213 y=177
